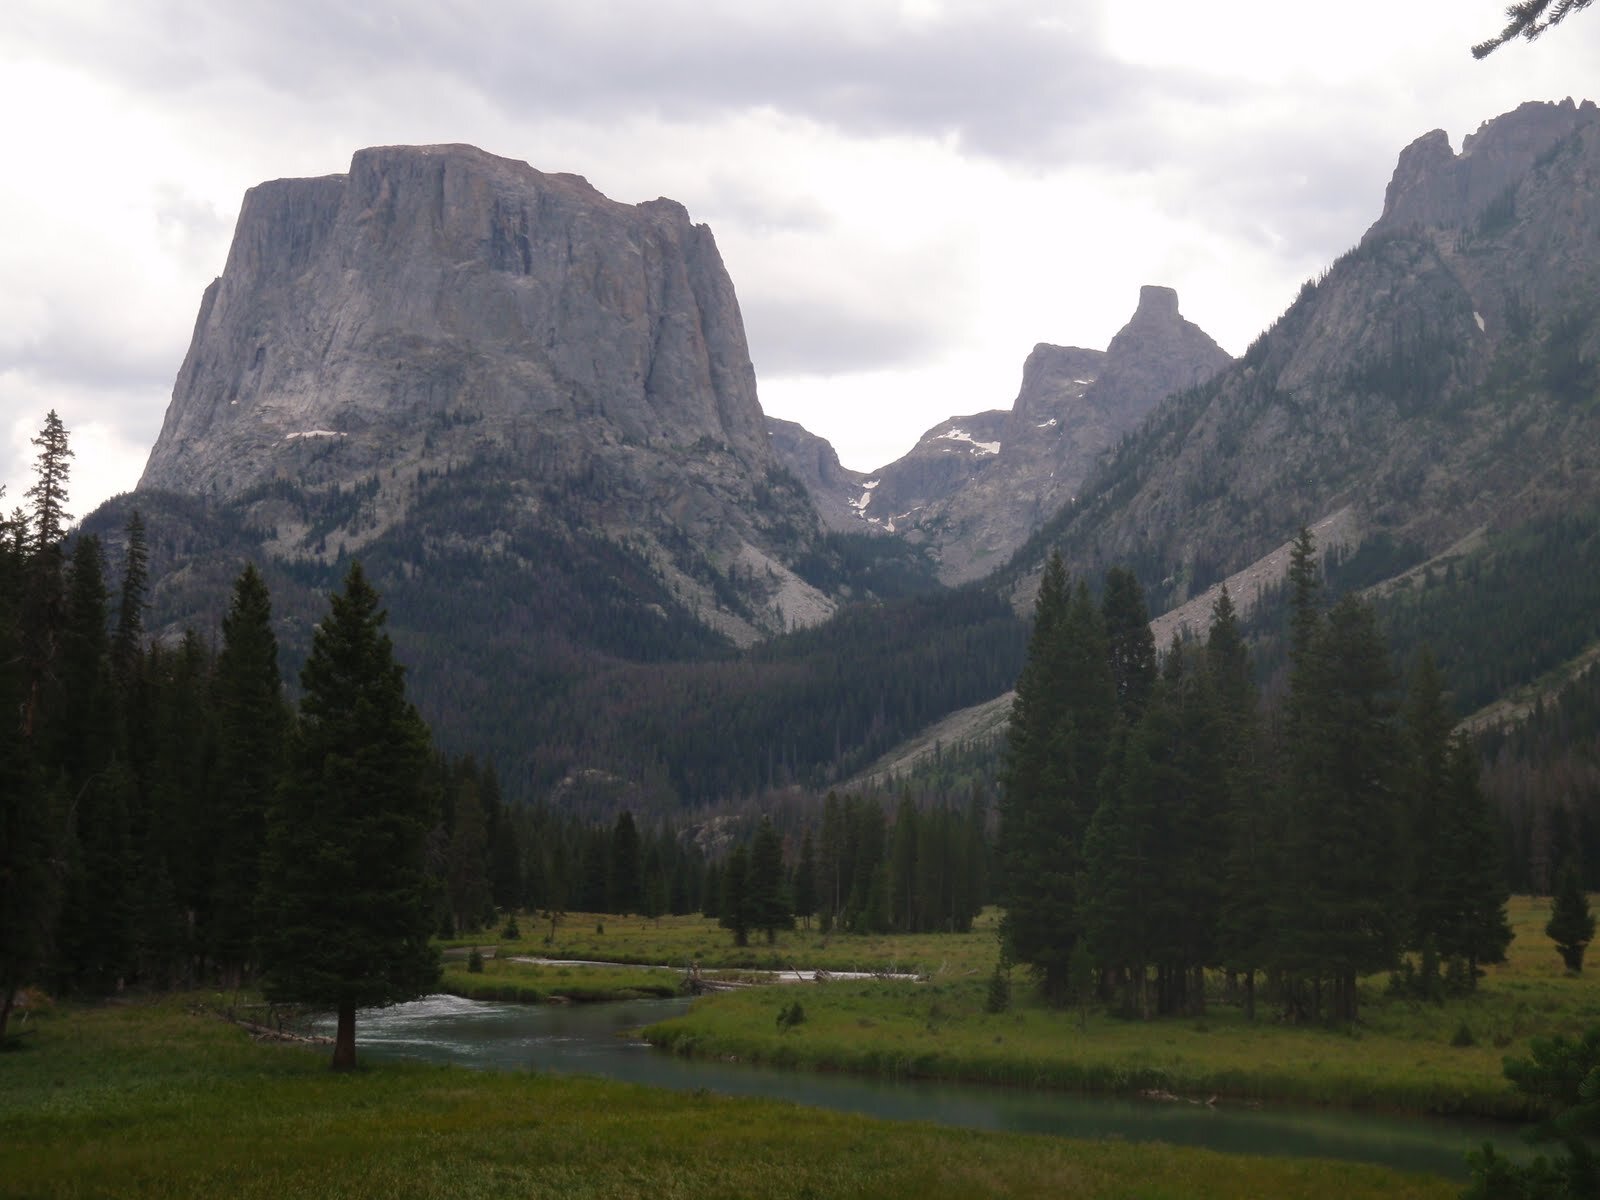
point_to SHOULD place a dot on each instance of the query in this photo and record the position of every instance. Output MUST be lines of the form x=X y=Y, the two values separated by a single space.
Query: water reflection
x=598 y=1039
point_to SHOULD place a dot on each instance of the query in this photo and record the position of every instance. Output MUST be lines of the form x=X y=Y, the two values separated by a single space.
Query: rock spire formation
x=974 y=488
x=439 y=309
x=1435 y=383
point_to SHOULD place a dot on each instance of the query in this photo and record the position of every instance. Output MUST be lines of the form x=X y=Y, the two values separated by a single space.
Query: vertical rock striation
x=437 y=309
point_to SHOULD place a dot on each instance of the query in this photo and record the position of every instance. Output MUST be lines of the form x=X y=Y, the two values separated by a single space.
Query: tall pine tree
x=252 y=726
x=348 y=905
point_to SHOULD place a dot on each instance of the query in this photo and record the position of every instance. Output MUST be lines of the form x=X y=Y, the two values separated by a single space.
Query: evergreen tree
x=1479 y=931
x=1061 y=723
x=1430 y=866
x=1194 y=836
x=626 y=873
x=49 y=490
x=467 y=866
x=1343 y=890
x=348 y=903
x=252 y=725
x=1245 y=915
x=28 y=885
x=1131 y=645
x=770 y=908
x=1120 y=881
x=867 y=910
x=833 y=882
x=594 y=872
x=175 y=829
x=903 y=868
x=805 y=882
x=98 y=934
x=733 y=908
x=505 y=849
x=126 y=642
x=82 y=705
x=1571 y=924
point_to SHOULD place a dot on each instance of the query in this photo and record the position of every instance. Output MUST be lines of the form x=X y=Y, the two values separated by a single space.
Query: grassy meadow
x=536 y=983
x=163 y=1099
x=1405 y=1054
x=678 y=941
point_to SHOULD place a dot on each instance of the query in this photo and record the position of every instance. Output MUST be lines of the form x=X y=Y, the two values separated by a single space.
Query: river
x=598 y=1039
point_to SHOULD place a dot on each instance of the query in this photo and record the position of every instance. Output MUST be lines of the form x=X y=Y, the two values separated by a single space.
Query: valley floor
x=164 y=1099
x=1405 y=1055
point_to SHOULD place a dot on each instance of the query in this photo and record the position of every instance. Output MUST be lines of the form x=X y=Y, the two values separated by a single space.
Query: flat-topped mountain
x=439 y=312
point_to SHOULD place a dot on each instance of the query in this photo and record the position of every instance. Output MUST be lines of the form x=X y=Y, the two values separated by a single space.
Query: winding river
x=598 y=1039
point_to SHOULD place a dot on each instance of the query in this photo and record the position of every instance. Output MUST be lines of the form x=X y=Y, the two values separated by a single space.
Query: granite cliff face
x=834 y=488
x=974 y=488
x=438 y=312
x=1436 y=380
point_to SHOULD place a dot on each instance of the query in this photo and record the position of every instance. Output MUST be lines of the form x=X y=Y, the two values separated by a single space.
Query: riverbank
x=1404 y=1056
x=160 y=1099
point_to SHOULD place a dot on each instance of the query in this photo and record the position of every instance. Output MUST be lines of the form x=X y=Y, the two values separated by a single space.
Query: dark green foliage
x=1061 y=723
x=734 y=906
x=805 y=882
x=1571 y=924
x=1475 y=888
x=252 y=723
x=1564 y=1075
x=1132 y=647
x=82 y=700
x=49 y=490
x=347 y=899
x=467 y=862
x=1527 y=19
x=998 y=998
x=626 y=893
x=1536 y=628
x=475 y=961
x=769 y=903
x=1342 y=892
x=126 y=643
x=790 y=1015
x=1254 y=825
x=28 y=886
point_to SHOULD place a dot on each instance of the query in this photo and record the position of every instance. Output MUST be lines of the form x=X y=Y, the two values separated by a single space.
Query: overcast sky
x=909 y=194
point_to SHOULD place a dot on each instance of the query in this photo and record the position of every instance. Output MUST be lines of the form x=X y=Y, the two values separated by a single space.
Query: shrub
x=999 y=998
x=475 y=962
x=790 y=1016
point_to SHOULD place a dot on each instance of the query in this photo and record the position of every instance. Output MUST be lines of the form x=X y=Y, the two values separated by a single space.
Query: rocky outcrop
x=1433 y=187
x=1437 y=379
x=945 y=459
x=1074 y=404
x=438 y=309
x=834 y=488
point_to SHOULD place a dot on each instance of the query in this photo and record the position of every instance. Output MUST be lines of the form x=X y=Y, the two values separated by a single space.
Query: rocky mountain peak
x=439 y=313
x=1157 y=304
x=974 y=487
x=433 y=284
x=1433 y=187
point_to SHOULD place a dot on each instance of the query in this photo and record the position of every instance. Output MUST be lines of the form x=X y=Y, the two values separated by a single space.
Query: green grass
x=677 y=941
x=1400 y=1057
x=156 y=1100
x=532 y=983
